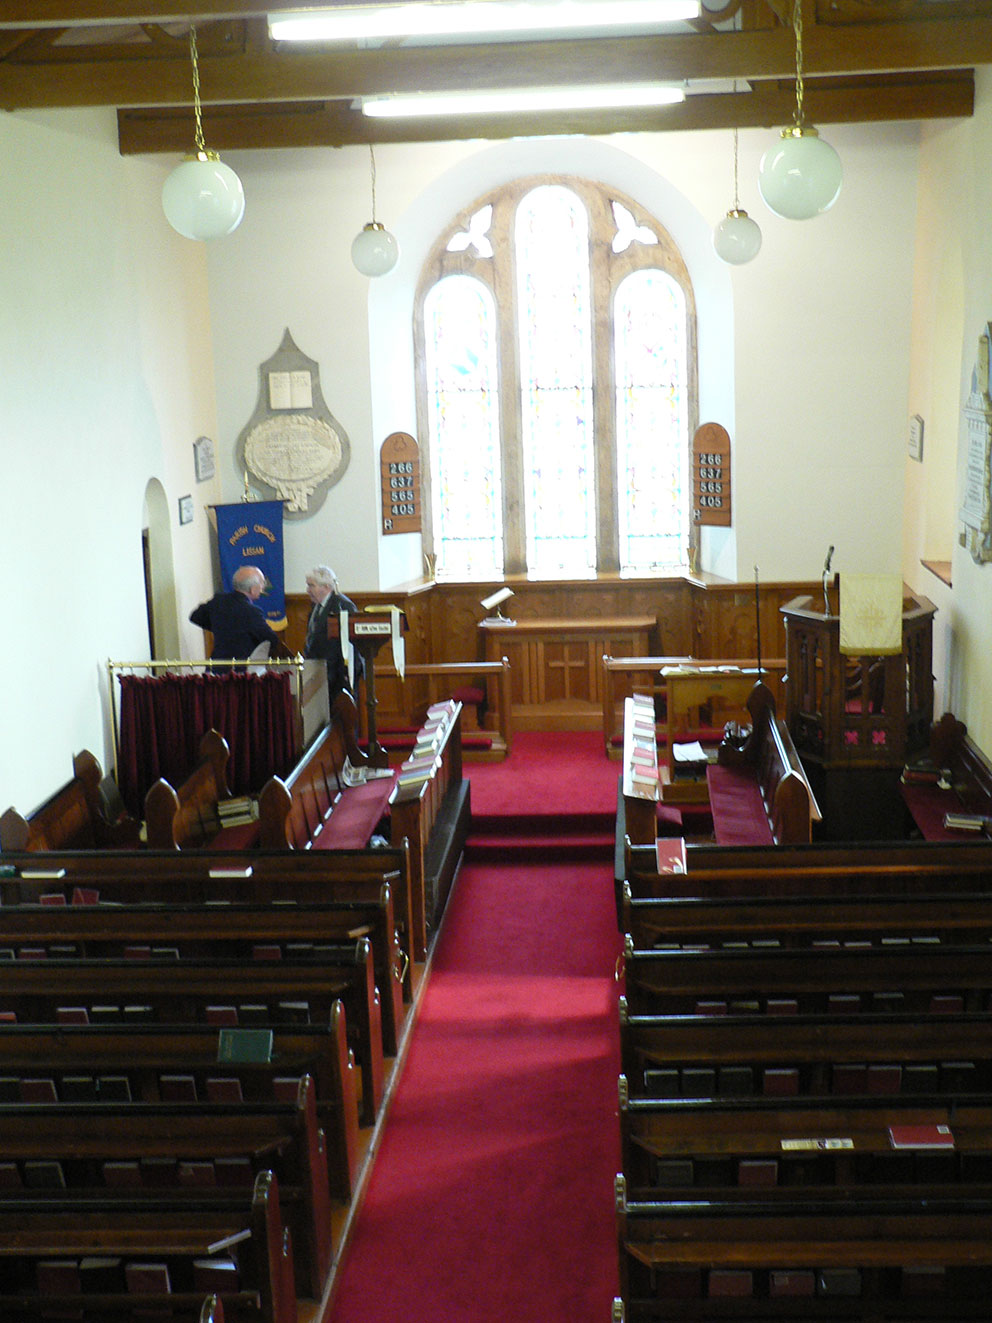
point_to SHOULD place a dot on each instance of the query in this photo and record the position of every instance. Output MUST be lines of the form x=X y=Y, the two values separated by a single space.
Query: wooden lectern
x=855 y=720
x=368 y=631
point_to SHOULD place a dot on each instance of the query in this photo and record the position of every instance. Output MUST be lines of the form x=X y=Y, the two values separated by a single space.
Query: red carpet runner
x=491 y=1198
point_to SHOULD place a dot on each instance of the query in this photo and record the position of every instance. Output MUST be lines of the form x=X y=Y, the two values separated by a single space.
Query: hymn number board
x=711 y=475
x=399 y=460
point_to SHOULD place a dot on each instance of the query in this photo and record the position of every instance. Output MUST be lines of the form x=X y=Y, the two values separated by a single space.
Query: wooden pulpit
x=368 y=631
x=855 y=720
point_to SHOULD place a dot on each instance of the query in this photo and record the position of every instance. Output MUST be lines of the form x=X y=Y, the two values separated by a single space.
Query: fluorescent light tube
x=522 y=99
x=476 y=18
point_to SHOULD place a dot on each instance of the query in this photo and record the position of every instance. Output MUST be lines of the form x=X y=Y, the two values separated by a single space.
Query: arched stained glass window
x=463 y=404
x=652 y=422
x=555 y=338
x=551 y=242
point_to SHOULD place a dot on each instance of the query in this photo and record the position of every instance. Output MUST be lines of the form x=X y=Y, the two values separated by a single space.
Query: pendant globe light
x=737 y=238
x=800 y=176
x=374 y=251
x=202 y=198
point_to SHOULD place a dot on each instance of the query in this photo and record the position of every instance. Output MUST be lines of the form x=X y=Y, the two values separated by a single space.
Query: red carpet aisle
x=492 y=1195
x=548 y=772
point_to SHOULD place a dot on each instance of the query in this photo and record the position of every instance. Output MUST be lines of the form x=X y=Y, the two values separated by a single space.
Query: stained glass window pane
x=652 y=421
x=460 y=336
x=555 y=338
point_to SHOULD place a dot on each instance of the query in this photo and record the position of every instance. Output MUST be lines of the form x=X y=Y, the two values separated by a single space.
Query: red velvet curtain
x=164 y=717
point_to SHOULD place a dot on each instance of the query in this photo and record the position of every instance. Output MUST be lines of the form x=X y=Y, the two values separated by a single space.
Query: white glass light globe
x=801 y=175
x=203 y=198
x=737 y=238
x=374 y=251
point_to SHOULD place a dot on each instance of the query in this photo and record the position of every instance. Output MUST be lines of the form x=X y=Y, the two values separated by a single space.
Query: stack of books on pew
x=925 y=772
x=416 y=770
x=237 y=811
x=643 y=743
x=420 y=765
x=968 y=822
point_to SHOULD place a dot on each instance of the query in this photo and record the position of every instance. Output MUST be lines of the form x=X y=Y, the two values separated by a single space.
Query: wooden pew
x=187 y=816
x=806 y=1257
x=264 y=877
x=88 y=1062
x=757 y=793
x=298 y=814
x=431 y=814
x=167 y=1232
x=675 y=982
x=968 y=776
x=672 y=1145
x=298 y=811
x=175 y=991
x=70 y=1153
x=880 y=868
x=625 y=676
x=762 y=1055
x=806 y=920
x=145 y=917
x=74 y=818
x=763 y=777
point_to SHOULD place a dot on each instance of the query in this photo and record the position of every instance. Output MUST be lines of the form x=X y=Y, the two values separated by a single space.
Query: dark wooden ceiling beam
x=87 y=13
x=279 y=76
x=338 y=124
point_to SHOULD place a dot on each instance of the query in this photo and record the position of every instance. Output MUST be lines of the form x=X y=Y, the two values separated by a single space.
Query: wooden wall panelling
x=693 y=617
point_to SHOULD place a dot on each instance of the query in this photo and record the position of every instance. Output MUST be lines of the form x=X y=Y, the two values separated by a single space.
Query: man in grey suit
x=328 y=601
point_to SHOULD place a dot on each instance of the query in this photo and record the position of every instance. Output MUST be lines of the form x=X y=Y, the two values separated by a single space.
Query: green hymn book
x=244 y=1045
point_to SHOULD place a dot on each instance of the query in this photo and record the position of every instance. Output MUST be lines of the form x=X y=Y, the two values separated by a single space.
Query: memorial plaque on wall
x=399 y=460
x=711 y=475
x=976 y=506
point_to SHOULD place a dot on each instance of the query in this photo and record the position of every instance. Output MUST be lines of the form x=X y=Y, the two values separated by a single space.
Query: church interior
x=847 y=362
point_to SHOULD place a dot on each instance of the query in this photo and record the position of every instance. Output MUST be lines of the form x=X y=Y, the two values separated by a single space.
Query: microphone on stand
x=826 y=572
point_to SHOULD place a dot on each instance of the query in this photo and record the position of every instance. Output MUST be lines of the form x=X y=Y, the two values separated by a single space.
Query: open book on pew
x=689 y=759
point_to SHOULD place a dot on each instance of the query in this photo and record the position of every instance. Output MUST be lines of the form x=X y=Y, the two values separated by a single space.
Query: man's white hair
x=323 y=574
x=244 y=576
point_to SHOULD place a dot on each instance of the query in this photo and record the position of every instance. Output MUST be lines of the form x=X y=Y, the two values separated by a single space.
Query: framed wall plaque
x=185 y=509
x=976 y=504
x=711 y=476
x=292 y=446
x=203 y=458
x=399 y=462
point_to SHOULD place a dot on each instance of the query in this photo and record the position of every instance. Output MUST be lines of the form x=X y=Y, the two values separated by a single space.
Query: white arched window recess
x=555 y=338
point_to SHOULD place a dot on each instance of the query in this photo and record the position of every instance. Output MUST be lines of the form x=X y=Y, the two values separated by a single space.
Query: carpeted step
x=521 y=849
x=543 y=824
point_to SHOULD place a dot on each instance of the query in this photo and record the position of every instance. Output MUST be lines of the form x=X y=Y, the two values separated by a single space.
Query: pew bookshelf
x=430 y=815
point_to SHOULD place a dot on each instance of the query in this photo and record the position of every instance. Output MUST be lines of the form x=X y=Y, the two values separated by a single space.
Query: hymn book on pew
x=967 y=822
x=244 y=1045
x=237 y=811
x=921 y=1136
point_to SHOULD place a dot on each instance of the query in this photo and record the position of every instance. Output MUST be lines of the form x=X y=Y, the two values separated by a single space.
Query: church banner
x=250 y=533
